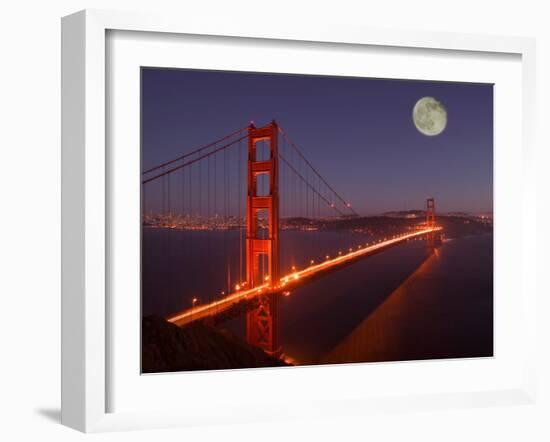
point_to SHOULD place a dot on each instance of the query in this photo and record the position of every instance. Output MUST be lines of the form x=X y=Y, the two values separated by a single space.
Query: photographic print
x=291 y=220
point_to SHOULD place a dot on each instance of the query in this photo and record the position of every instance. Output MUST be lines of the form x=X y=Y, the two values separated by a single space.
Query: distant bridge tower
x=262 y=323
x=430 y=213
x=430 y=221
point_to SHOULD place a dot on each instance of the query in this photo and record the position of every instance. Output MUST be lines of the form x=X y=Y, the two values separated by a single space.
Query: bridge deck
x=290 y=281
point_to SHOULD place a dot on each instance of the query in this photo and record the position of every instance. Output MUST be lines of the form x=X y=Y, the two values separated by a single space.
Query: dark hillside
x=167 y=347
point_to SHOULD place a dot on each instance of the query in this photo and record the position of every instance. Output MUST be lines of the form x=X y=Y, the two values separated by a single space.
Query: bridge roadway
x=293 y=279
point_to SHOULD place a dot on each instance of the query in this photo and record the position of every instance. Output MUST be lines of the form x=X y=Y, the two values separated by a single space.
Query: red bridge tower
x=430 y=213
x=430 y=221
x=262 y=323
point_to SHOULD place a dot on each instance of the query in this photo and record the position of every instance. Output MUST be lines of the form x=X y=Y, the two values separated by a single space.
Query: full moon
x=429 y=116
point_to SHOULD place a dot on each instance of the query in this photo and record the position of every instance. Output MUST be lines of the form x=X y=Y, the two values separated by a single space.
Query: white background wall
x=30 y=215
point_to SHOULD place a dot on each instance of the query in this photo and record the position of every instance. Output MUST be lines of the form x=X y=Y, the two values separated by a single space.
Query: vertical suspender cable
x=239 y=221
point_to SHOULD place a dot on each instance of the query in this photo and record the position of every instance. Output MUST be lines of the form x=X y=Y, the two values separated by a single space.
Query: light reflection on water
x=401 y=304
x=443 y=310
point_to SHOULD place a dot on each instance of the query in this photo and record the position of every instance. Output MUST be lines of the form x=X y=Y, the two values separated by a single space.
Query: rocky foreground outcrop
x=167 y=347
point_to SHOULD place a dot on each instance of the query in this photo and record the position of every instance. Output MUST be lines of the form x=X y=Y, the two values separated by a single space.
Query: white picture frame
x=85 y=205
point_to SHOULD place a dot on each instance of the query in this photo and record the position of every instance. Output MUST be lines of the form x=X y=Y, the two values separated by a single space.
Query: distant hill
x=406 y=214
x=382 y=225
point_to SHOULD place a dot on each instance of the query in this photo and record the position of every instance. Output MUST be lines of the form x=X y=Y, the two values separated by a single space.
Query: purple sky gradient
x=357 y=132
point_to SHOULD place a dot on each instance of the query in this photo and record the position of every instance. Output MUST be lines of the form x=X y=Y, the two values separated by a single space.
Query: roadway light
x=194 y=301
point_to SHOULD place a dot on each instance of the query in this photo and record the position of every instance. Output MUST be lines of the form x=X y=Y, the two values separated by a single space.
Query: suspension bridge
x=256 y=181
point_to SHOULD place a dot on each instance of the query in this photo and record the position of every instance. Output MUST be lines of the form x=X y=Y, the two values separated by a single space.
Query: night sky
x=357 y=132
